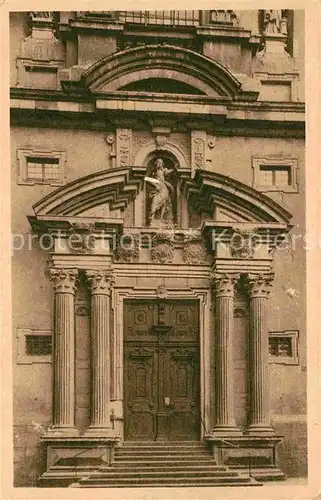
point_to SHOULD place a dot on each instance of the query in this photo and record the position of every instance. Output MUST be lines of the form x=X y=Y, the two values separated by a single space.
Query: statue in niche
x=275 y=22
x=160 y=195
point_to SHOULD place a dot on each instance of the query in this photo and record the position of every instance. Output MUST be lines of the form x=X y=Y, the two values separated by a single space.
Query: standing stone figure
x=161 y=193
x=272 y=21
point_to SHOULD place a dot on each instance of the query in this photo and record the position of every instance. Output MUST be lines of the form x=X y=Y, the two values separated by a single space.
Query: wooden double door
x=161 y=370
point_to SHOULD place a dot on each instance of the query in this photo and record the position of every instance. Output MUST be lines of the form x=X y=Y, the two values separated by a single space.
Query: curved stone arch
x=120 y=186
x=141 y=157
x=184 y=61
x=148 y=73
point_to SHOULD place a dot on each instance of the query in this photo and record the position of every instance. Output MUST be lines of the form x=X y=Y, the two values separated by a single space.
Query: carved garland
x=127 y=252
x=194 y=250
x=162 y=251
x=243 y=243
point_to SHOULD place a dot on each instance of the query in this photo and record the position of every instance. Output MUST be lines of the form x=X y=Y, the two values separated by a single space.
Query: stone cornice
x=50 y=225
x=31 y=99
x=25 y=94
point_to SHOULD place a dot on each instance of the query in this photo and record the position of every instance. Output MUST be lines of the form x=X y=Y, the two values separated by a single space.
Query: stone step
x=154 y=451
x=161 y=444
x=162 y=466
x=161 y=458
x=168 y=482
x=164 y=449
x=156 y=474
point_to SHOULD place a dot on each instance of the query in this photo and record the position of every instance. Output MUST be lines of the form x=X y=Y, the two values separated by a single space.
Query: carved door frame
x=203 y=295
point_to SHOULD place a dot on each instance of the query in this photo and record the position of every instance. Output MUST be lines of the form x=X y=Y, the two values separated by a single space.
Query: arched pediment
x=205 y=193
x=148 y=62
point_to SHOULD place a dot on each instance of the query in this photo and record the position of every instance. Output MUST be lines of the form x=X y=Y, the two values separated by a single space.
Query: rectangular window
x=38 y=345
x=283 y=347
x=41 y=167
x=275 y=174
x=33 y=346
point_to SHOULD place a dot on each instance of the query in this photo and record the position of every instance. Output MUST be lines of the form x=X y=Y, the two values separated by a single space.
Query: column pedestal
x=100 y=423
x=224 y=396
x=259 y=417
x=63 y=422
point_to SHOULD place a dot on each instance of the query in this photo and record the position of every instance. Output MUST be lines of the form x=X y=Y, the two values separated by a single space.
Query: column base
x=100 y=432
x=254 y=453
x=61 y=432
x=259 y=430
x=226 y=431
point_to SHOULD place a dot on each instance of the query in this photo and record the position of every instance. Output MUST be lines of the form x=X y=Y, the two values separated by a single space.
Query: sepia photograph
x=158 y=250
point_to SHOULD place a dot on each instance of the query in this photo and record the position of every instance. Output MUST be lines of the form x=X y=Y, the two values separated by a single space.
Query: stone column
x=100 y=286
x=259 y=418
x=64 y=285
x=224 y=396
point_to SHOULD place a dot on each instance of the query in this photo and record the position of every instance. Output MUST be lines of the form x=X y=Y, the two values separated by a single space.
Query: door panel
x=161 y=370
x=140 y=393
x=183 y=367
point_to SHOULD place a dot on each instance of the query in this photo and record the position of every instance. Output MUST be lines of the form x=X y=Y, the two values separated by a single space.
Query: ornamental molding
x=100 y=282
x=64 y=280
x=224 y=284
x=243 y=243
x=128 y=253
x=194 y=252
x=81 y=239
x=259 y=285
x=161 y=292
x=123 y=147
x=149 y=147
x=162 y=253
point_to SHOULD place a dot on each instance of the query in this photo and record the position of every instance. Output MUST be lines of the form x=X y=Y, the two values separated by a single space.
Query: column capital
x=259 y=285
x=224 y=283
x=64 y=280
x=100 y=282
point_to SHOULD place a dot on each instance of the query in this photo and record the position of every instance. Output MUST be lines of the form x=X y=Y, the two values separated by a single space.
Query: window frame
x=40 y=154
x=23 y=358
x=275 y=162
x=286 y=360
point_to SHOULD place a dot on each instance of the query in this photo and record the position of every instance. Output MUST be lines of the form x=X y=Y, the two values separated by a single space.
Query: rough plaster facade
x=67 y=78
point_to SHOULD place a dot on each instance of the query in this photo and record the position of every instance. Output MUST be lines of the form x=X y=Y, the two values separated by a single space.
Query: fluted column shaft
x=100 y=285
x=224 y=393
x=259 y=417
x=64 y=284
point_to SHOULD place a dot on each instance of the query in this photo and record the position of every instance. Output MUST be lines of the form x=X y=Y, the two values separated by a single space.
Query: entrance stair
x=163 y=464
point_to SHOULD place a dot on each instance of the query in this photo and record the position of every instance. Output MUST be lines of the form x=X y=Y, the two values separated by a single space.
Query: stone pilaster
x=100 y=286
x=224 y=396
x=64 y=285
x=259 y=287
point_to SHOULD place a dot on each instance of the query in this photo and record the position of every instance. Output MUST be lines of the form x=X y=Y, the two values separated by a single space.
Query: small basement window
x=38 y=345
x=283 y=347
x=33 y=346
